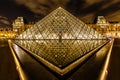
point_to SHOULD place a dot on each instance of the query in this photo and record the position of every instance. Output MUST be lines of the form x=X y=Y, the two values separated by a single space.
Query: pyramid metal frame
x=60 y=40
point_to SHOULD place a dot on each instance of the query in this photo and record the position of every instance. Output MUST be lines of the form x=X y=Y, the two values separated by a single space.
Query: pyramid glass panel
x=60 y=39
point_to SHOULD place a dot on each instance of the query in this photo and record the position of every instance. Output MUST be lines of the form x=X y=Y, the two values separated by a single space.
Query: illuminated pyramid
x=59 y=39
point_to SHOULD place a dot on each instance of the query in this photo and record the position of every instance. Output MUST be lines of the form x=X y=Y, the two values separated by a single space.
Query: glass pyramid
x=60 y=39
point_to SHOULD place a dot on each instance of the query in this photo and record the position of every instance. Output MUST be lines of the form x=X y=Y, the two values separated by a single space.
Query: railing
x=103 y=73
x=18 y=66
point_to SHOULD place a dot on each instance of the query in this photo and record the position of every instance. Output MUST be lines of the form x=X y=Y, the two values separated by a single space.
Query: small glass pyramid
x=60 y=39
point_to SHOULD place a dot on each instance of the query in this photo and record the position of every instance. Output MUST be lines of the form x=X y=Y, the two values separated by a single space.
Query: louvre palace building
x=102 y=26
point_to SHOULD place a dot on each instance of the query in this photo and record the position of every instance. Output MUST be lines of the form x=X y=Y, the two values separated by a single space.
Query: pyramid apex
x=60 y=8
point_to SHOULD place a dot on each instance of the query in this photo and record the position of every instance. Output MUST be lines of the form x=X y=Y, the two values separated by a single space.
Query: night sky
x=33 y=10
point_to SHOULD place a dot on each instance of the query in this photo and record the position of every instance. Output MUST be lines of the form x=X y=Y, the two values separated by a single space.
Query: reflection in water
x=61 y=53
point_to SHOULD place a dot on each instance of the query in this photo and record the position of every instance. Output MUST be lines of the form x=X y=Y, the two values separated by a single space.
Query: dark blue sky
x=86 y=10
